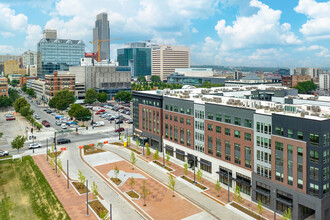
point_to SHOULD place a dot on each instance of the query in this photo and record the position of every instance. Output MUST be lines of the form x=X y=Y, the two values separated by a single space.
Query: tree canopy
x=23 y=88
x=62 y=95
x=14 y=83
x=31 y=92
x=155 y=78
x=62 y=104
x=5 y=101
x=141 y=79
x=102 y=97
x=20 y=103
x=124 y=96
x=79 y=113
x=18 y=142
x=91 y=96
x=305 y=87
x=25 y=111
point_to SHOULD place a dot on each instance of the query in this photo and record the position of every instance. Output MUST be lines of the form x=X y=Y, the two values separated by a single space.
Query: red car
x=10 y=118
x=45 y=123
x=97 y=113
x=101 y=110
x=120 y=129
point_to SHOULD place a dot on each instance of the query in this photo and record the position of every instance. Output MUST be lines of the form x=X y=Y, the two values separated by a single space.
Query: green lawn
x=26 y=194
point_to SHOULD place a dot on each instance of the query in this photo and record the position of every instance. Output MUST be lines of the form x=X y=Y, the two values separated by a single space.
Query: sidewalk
x=74 y=204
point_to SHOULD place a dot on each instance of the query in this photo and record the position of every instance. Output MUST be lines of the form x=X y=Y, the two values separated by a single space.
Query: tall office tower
x=29 y=58
x=102 y=32
x=58 y=54
x=165 y=58
x=137 y=56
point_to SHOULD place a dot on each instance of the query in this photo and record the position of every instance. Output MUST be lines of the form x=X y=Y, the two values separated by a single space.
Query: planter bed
x=53 y=154
x=118 y=144
x=133 y=194
x=247 y=211
x=116 y=181
x=132 y=149
x=161 y=165
x=81 y=188
x=192 y=182
x=97 y=150
x=98 y=207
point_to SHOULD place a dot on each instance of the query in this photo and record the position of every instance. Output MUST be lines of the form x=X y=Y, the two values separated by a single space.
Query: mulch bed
x=97 y=206
x=58 y=153
x=81 y=188
x=118 y=144
x=95 y=151
x=192 y=182
x=132 y=149
x=116 y=181
x=161 y=165
x=247 y=211
x=132 y=194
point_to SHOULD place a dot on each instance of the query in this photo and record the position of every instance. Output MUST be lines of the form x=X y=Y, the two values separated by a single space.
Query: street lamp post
x=87 y=195
x=228 y=187
x=274 y=204
x=55 y=151
x=194 y=166
x=32 y=140
x=163 y=156
x=47 y=148
x=67 y=172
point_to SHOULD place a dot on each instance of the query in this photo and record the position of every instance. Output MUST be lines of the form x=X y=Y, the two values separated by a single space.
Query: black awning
x=168 y=147
x=205 y=162
x=243 y=182
x=190 y=156
x=262 y=192
x=284 y=201
x=179 y=152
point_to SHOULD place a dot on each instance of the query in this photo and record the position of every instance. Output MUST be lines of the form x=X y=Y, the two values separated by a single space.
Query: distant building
x=251 y=80
x=23 y=79
x=312 y=72
x=3 y=86
x=283 y=72
x=39 y=88
x=324 y=81
x=292 y=81
x=137 y=56
x=31 y=70
x=238 y=75
x=57 y=82
x=29 y=58
x=5 y=58
x=165 y=58
x=12 y=77
x=13 y=67
x=58 y=54
x=194 y=72
x=102 y=32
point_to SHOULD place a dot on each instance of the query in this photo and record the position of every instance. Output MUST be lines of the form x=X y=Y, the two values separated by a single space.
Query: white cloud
x=9 y=20
x=260 y=29
x=34 y=34
x=7 y=49
x=263 y=54
x=318 y=13
x=322 y=51
x=7 y=34
x=207 y=52
x=194 y=30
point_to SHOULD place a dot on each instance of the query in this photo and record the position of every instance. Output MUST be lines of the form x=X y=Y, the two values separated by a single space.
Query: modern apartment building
x=13 y=67
x=324 y=81
x=29 y=58
x=137 y=56
x=58 y=82
x=39 y=88
x=165 y=58
x=3 y=86
x=275 y=151
x=292 y=81
x=58 y=54
x=102 y=32
x=23 y=79
x=312 y=72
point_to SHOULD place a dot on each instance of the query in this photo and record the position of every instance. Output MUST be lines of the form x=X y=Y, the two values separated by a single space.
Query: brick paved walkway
x=74 y=204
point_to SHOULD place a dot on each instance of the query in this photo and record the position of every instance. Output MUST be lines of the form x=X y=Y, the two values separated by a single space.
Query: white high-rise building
x=29 y=58
x=324 y=81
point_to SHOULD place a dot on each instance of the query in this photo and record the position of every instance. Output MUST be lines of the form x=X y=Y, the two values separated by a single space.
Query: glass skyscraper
x=58 y=54
x=102 y=32
x=138 y=57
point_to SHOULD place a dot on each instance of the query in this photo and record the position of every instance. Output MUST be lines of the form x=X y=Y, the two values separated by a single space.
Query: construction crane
x=98 y=45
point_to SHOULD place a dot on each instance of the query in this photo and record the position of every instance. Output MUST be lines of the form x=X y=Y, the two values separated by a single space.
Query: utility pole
x=47 y=148
x=67 y=172
x=55 y=151
x=87 y=195
x=228 y=186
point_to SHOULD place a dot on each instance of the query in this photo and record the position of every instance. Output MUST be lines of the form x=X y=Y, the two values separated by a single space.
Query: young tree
x=59 y=164
x=218 y=187
x=23 y=88
x=81 y=177
x=100 y=144
x=83 y=114
x=148 y=149
x=18 y=142
x=128 y=141
x=116 y=171
x=171 y=183
x=168 y=157
x=20 y=103
x=141 y=79
x=132 y=182
x=52 y=163
x=137 y=143
x=156 y=155
x=238 y=194
x=133 y=160
x=287 y=214
x=199 y=175
x=145 y=192
x=31 y=92
x=260 y=208
x=104 y=215
x=94 y=190
x=91 y=96
x=185 y=169
x=102 y=97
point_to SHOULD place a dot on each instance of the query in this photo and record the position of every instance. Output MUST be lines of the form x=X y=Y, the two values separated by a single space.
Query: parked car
x=128 y=113
x=63 y=141
x=98 y=124
x=46 y=123
x=48 y=111
x=59 y=116
x=74 y=126
x=9 y=115
x=3 y=153
x=70 y=123
x=97 y=113
x=120 y=129
x=11 y=118
x=111 y=118
x=35 y=145
x=64 y=126
x=58 y=123
x=119 y=122
x=130 y=121
x=101 y=110
x=37 y=116
x=54 y=113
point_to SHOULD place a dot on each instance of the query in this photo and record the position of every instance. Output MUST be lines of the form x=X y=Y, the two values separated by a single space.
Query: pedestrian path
x=74 y=204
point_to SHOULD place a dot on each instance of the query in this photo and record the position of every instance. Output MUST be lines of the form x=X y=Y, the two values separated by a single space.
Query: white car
x=64 y=126
x=35 y=145
x=3 y=153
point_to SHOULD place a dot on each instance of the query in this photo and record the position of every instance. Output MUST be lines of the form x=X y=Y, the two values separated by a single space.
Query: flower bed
x=91 y=151
x=117 y=143
x=116 y=181
x=161 y=165
x=192 y=182
x=98 y=208
x=133 y=194
x=81 y=188
x=132 y=149
x=247 y=211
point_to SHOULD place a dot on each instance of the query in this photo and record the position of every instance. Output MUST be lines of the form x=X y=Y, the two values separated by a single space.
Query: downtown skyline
x=218 y=32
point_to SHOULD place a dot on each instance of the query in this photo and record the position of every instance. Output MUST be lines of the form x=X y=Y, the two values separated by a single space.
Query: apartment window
x=188 y=111
x=300 y=135
x=210 y=145
x=258 y=140
x=180 y=155
x=227 y=150
x=188 y=121
x=314 y=139
x=258 y=126
x=227 y=119
x=300 y=167
x=166 y=116
x=248 y=123
x=210 y=116
x=227 y=131
x=166 y=130
x=326 y=156
x=290 y=133
x=171 y=108
x=176 y=118
x=176 y=133
x=237 y=134
x=314 y=189
x=237 y=121
x=218 y=129
x=247 y=136
x=181 y=135
x=182 y=120
x=326 y=189
x=314 y=173
x=218 y=147
x=218 y=117
x=176 y=108
x=237 y=154
x=326 y=173
x=290 y=164
x=171 y=117
x=206 y=166
x=279 y=131
x=210 y=127
x=188 y=138
x=248 y=157
x=181 y=110
x=314 y=156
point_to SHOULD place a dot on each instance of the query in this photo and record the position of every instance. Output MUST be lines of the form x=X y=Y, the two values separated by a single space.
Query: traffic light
x=31 y=130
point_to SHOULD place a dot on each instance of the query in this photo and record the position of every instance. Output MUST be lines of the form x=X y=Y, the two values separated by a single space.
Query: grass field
x=26 y=194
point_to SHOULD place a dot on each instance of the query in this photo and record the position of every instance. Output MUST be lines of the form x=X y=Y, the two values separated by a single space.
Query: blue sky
x=218 y=32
